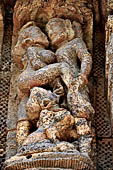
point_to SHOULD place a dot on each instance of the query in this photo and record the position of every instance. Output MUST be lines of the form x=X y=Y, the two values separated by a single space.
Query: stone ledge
x=50 y=160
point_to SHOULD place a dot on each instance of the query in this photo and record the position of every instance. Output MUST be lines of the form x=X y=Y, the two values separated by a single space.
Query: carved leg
x=23 y=125
x=23 y=128
x=85 y=145
x=84 y=133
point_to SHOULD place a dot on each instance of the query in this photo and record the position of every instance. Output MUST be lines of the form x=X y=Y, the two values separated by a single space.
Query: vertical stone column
x=1 y=27
x=109 y=65
x=109 y=31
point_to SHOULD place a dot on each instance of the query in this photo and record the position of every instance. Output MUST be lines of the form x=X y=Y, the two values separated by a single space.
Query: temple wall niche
x=40 y=72
x=49 y=108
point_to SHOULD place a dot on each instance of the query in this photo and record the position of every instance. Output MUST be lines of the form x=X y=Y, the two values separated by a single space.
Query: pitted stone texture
x=23 y=128
x=29 y=78
x=109 y=76
x=78 y=101
x=39 y=100
x=109 y=28
x=109 y=46
x=57 y=122
x=43 y=11
x=109 y=59
x=62 y=129
x=41 y=107
x=85 y=144
x=46 y=146
x=109 y=65
x=109 y=7
x=82 y=126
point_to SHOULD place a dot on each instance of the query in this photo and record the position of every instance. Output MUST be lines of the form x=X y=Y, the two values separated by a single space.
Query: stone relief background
x=31 y=54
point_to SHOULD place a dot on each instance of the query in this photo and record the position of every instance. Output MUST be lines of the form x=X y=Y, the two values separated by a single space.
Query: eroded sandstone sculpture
x=54 y=110
x=43 y=11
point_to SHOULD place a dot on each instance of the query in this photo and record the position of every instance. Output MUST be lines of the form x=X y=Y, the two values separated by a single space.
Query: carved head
x=59 y=31
x=29 y=35
x=40 y=99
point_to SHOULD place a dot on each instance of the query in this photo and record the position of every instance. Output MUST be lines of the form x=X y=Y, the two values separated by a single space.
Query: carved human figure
x=57 y=122
x=77 y=95
x=30 y=39
x=69 y=48
x=37 y=73
x=31 y=36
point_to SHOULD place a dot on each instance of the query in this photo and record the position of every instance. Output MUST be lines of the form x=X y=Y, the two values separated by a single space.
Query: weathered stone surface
x=109 y=6
x=60 y=65
x=109 y=28
x=53 y=160
x=2 y=14
x=82 y=126
x=23 y=130
x=109 y=65
x=57 y=122
x=35 y=137
x=109 y=46
x=59 y=31
x=43 y=11
x=30 y=35
x=53 y=107
x=11 y=144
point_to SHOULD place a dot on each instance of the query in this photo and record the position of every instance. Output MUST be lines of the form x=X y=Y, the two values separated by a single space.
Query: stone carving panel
x=43 y=11
x=53 y=107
